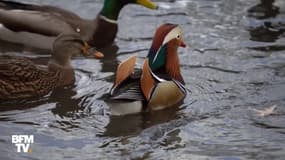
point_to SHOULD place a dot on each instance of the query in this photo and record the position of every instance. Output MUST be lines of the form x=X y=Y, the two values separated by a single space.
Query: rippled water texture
x=233 y=66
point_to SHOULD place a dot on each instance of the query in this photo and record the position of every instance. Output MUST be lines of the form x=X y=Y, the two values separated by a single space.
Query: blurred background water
x=234 y=65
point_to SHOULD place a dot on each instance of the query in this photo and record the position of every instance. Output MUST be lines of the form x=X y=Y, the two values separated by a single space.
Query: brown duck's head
x=66 y=46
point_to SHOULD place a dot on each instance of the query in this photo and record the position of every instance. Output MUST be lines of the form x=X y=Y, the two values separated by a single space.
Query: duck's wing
x=129 y=90
x=126 y=85
x=12 y=5
x=46 y=20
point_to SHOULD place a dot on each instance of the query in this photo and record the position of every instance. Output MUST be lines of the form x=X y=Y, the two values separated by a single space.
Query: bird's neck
x=166 y=60
x=64 y=72
x=105 y=32
x=106 y=21
x=172 y=65
x=111 y=10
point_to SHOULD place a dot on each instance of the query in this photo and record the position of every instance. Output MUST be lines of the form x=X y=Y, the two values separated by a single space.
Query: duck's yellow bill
x=147 y=4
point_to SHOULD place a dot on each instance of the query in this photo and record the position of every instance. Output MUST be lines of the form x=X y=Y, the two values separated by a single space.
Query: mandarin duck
x=21 y=78
x=159 y=84
x=38 y=26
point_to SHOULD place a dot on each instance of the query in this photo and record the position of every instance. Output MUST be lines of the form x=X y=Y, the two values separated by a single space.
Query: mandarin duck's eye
x=178 y=36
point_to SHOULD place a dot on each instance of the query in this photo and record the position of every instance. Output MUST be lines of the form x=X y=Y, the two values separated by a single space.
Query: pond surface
x=234 y=66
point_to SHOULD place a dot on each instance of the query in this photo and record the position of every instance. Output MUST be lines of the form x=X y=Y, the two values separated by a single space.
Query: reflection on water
x=234 y=64
x=65 y=106
x=268 y=29
x=134 y=124
x=110 y=62
x=265 y=9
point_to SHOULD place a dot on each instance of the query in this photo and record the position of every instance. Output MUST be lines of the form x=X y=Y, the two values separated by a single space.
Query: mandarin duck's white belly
x=119 y=108
x=166 y=94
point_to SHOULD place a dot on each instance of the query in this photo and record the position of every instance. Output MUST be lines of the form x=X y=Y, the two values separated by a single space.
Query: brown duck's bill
x=98 y=55
x=147 y=3
x=91 y=52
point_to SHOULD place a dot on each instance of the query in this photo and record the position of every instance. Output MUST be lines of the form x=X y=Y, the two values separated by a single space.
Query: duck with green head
x=21 y=78
x=159 y=85
x=37 y=26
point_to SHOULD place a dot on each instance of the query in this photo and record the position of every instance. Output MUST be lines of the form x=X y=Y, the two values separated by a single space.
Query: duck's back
x=35 y=25
x=12 y=5
x=15 y=5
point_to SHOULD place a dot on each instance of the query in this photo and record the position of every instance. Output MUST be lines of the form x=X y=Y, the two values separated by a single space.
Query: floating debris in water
x=266 y=111
x=164 y=6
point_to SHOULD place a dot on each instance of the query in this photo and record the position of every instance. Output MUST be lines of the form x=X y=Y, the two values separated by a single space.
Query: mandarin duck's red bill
x=183 y=44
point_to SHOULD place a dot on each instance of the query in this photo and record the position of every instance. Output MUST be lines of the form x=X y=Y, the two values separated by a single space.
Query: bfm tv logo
x=22 y=142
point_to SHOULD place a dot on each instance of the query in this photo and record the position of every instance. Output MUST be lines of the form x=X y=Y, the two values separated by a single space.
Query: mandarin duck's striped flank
x=160 y=82
x=21 y=78
x=41 y=24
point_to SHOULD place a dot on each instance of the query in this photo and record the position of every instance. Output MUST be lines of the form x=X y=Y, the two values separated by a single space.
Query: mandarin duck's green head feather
x=112 y=8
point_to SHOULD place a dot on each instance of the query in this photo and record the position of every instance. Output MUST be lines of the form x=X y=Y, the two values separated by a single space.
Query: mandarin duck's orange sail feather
x=124 y=70
x=147 y=82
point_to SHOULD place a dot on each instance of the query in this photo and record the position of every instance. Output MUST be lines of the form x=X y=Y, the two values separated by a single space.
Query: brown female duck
x=21 y=78
x=37 y=26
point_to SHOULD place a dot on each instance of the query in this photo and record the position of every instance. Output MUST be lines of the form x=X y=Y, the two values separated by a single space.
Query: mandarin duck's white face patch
x=175 y=33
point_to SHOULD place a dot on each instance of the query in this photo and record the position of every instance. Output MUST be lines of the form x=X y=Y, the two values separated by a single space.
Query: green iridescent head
x=112 y=8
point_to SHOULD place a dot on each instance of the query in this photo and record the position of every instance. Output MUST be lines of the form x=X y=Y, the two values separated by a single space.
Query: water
x=234 y=64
